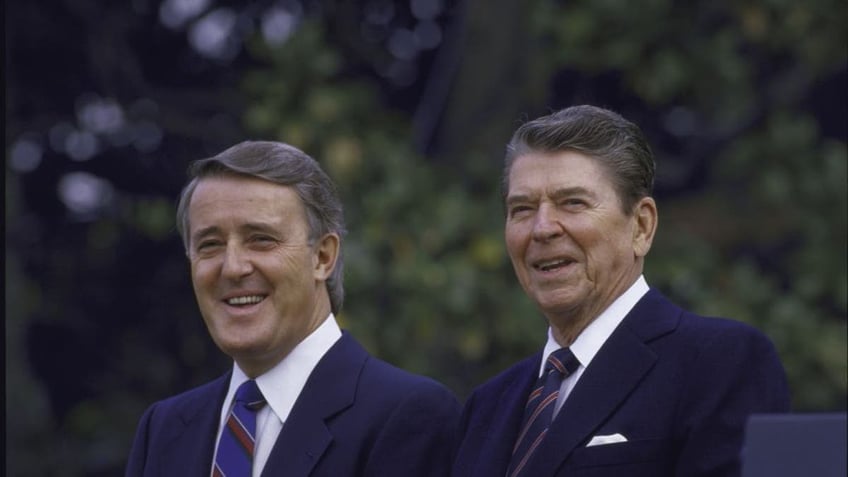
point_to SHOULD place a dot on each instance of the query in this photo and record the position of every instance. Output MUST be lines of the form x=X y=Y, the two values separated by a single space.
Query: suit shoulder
x=380 y=374
x=509 y=376
x=706 y=329
x=656 y=315
x=723 y=343
x=193 y=397
x=202 y=391
x=391 y=391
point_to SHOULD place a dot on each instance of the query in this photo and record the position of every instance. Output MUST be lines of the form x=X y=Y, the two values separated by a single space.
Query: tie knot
x=249 y=395
x=563 y=361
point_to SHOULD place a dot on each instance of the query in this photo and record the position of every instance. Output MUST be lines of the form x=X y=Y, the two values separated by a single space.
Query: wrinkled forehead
x=561 y=168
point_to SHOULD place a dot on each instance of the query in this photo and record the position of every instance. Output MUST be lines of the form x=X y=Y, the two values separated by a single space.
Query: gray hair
x=618 y=144
x=287 y=166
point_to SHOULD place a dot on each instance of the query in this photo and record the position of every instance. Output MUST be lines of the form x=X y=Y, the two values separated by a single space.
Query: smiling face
x=259 y=282
x=573 y=248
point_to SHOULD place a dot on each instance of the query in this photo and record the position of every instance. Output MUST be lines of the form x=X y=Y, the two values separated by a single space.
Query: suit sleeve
x=417 y=439
x=138 y=451
x=735 y=375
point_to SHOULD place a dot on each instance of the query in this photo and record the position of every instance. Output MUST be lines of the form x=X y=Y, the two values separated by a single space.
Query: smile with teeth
x=549 y=265
x=245 y=300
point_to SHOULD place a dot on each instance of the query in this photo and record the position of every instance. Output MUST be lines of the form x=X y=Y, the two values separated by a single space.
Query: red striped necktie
x=238 y=438
x=539 y=411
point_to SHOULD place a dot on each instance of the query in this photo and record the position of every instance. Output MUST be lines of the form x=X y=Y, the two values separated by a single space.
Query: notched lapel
x=302 y=442
x=614 y=373
x=330 y=389
x=503 y=428
x=193 y=434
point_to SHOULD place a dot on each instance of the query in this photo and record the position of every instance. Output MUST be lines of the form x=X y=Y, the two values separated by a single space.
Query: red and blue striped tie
x=539 y=411
x=238 y=438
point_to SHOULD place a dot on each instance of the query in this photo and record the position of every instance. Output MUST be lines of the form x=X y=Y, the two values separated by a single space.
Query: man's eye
x=262 y=239
x=518 y=210
x=207 y=246
x=573 y=202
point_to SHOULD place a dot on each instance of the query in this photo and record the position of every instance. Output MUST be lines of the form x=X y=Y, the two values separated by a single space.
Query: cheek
x=514 y=239
x=611 y=250
x=202 y=275
x=286 y=267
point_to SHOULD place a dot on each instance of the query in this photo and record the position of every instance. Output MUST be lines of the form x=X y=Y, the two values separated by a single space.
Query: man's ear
x=326 y=254
x=645 y=225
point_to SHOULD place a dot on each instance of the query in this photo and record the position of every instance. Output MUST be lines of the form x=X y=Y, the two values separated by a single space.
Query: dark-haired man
x=262 y=227
x=628 y=383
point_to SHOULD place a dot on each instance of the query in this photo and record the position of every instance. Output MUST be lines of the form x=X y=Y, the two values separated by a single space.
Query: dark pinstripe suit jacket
x=356 y=416
x=678 y=386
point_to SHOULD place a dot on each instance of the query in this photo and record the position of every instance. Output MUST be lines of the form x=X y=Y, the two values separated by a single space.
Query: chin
x=244 y=342
x=247 y=352
x=560 y=308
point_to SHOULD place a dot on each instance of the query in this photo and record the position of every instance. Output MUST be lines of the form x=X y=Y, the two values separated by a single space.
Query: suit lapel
x=614 y=373
x=330 y=389
x=190 y=442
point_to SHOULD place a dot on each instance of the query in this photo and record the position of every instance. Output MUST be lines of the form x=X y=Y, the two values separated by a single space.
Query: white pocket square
x=604 y=440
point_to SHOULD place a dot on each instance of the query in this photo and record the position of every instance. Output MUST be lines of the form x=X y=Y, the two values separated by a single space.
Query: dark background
x=407 y=105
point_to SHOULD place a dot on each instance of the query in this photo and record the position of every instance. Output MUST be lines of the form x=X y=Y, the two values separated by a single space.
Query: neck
x=566 y=331
x=569 y=324
x=256 y=364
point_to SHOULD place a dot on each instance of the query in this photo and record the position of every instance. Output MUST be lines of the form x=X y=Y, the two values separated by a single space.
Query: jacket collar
x=616 y=370
x=330 y=389
x=193 y=431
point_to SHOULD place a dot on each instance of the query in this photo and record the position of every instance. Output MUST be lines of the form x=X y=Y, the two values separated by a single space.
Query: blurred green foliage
x=426 y=280
x=762 y=238
x=429 y=285
x=766 y=241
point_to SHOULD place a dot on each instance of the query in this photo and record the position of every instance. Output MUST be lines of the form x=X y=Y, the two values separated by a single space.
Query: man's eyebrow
x=519 y=198
x=204 y=232
x=245 y=228
x=569 y=191
x=555 y=194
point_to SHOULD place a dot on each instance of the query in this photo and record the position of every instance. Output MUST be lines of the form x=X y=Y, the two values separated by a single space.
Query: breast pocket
x=648 y=458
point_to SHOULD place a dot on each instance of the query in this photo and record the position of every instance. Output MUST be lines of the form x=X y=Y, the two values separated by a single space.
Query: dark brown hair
x=615 y=142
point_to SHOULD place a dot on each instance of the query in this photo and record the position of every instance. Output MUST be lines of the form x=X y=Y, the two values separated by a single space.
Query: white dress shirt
x=588 y=342
x=281 y=386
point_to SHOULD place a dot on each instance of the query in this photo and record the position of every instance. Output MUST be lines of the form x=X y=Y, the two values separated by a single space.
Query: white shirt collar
x=282 y=384
x=588 y=342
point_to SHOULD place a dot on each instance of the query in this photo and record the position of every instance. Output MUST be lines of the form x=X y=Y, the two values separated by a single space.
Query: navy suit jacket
x=356 y=416
x=679 y=387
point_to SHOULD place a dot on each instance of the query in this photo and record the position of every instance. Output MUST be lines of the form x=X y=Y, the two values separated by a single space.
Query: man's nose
x=237 y=262
x=548 y=223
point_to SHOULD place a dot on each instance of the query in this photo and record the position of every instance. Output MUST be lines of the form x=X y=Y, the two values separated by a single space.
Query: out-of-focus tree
x=105 y=106
x=753 y=94
x=408 y=106
x=752 y=174
x=424 y=264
